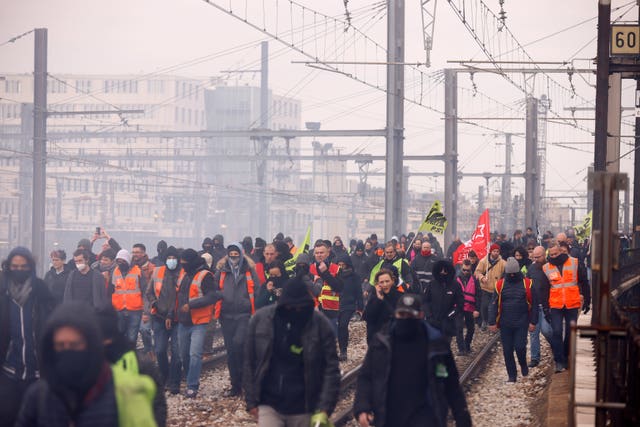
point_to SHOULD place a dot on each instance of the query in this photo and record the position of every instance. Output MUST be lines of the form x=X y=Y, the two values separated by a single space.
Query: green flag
x=435 y=221
x=583 y=231
x=302 y=249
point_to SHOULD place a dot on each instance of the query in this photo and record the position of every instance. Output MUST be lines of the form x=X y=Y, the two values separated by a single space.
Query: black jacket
x=98 y=289
x=210 y=294
x=514 y=311
x=360 y=266
x=56 y=282
x=378 y=313
x=444 y=390
x=165 y=304
x=443 y=300
x=322 y=372
x=423 y=267
x=351 y=295
x=535 y=273
x=235 y=294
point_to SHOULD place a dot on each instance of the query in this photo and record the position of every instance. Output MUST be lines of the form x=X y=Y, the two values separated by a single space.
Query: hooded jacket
x=379 y=313
x=321 y=370
x=234 y=290
x=27 y=323
x=515 y=311
x=210 y=295
x=219 y=250
x=444 y=390
x=47 y=403
x=444 y=299
x=351 y=295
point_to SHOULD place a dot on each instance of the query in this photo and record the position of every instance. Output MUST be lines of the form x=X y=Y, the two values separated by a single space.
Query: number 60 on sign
x=625 y=40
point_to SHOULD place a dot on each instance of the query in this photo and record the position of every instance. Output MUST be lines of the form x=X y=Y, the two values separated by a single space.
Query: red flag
x=479 y=242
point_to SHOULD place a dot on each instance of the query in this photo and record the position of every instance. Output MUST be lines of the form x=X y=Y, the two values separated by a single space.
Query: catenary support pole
x=39 y=146
x=393 y=221
x=450 y=155
x=532 y=181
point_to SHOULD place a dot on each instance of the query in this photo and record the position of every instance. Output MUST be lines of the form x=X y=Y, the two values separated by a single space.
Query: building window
x=56 y=86
x=83 y=86
x=12 y=86
x=155 y=86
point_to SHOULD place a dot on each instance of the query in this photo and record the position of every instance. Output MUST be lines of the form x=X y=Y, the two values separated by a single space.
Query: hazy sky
x=145 y=36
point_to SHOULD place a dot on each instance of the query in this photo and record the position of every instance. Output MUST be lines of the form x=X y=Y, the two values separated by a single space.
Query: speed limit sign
x=625 y=40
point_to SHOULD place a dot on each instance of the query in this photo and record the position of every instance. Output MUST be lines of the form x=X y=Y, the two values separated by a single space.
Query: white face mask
x=172 y=264
x=80 y=267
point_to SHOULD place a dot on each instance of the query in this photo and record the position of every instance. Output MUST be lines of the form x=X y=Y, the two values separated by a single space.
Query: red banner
x=479 y=242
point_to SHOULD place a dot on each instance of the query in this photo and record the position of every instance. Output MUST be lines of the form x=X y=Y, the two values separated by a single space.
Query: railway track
x=342 y=417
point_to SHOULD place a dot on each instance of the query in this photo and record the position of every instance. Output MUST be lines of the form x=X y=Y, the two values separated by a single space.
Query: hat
x=303 y=258
x=343 y=257
x=512 y=266
x=409 y=303
x=171 y=251
x=208 y=259
x=295 y=293
x=124 y=254
x=494 y=246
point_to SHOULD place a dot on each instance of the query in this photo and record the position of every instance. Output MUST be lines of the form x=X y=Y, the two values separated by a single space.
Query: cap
x=494 y=246
x=409 y=303
x=124 y=254
x=512 y=266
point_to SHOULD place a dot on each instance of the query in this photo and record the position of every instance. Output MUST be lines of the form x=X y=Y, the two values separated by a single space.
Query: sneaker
x=511 y=380
x=560 y=368
x=190 y=394
x=533 y=363
x=232 y=392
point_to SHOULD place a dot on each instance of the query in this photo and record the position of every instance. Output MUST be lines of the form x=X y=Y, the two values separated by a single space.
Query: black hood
x=220 y=240
x=80 y=317
x=449 y=268
x=26 y=254
x=193 y=261
x=207 y=241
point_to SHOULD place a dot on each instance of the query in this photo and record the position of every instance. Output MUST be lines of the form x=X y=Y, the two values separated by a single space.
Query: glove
x=585 y=308
x=320 y=419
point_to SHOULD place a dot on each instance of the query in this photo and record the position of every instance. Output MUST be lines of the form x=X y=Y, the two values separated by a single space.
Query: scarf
x=20 y=292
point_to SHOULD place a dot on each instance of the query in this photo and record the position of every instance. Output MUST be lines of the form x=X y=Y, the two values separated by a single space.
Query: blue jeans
x=129 y=324
x=169 y=371
x=534 y=337
x=560 y=343
x=191 y=339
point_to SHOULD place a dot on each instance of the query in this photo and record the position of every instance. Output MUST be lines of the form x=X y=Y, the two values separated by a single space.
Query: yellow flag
x=583 y=231
x=303 y=248
x=435 y=221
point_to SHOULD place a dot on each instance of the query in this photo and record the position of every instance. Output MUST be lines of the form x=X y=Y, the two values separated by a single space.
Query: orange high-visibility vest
x=127 y=294
x=328 y=299
x=564 y=290
x=250 y=291
x=202 y=315
x=158 y=277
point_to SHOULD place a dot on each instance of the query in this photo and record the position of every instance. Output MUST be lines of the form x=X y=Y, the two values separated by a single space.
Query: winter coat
x=56 y=282
x=98 y=289
x=360 y=266
x=379 y=313
x=444 y=390
x=515 y=311
x=41 y=302
x=165 y=304
x=351 y=295
x=423 y=267
x=493 y=273
x=444 y=300
x=235 y=293
x=322 y=373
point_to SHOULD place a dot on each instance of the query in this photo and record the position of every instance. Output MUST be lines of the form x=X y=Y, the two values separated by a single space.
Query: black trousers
x=514 y=339
x=485 y=302
x=11 y=393
x=465 y=320
x=343 y=329
x=234 y=332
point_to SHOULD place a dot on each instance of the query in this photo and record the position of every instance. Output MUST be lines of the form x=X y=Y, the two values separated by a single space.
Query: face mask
x=426 y=253
x=406 y=329
x=559 y=260
x=20 y=276
x=123 y=266
x=80 y=267
x=70 y=366
x=172 y=264
x=234 y=260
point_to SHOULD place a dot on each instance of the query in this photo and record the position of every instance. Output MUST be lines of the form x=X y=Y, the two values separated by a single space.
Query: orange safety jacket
x=202 y=315
x=158 y=277
x=527 y=288
x=127 y=294
x=250 y=291
x=328 y=299
x=564 y=291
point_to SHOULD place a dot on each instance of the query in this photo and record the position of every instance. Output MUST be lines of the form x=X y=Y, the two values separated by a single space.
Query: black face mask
x=407 y=329
x=124 y=267
x=20 y=276
x=70 y=367
x=512 y=276
x=296 y=316
x=559 y=260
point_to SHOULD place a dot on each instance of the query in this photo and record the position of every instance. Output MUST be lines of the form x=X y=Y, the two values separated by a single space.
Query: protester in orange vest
x=127 y=283
x=161 y=296
x=563 y=291
x=325 y=279
x=236 y=279
x=197 y=296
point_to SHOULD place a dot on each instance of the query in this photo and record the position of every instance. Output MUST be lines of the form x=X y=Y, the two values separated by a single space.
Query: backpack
x=527 y=287
x=134 y=393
